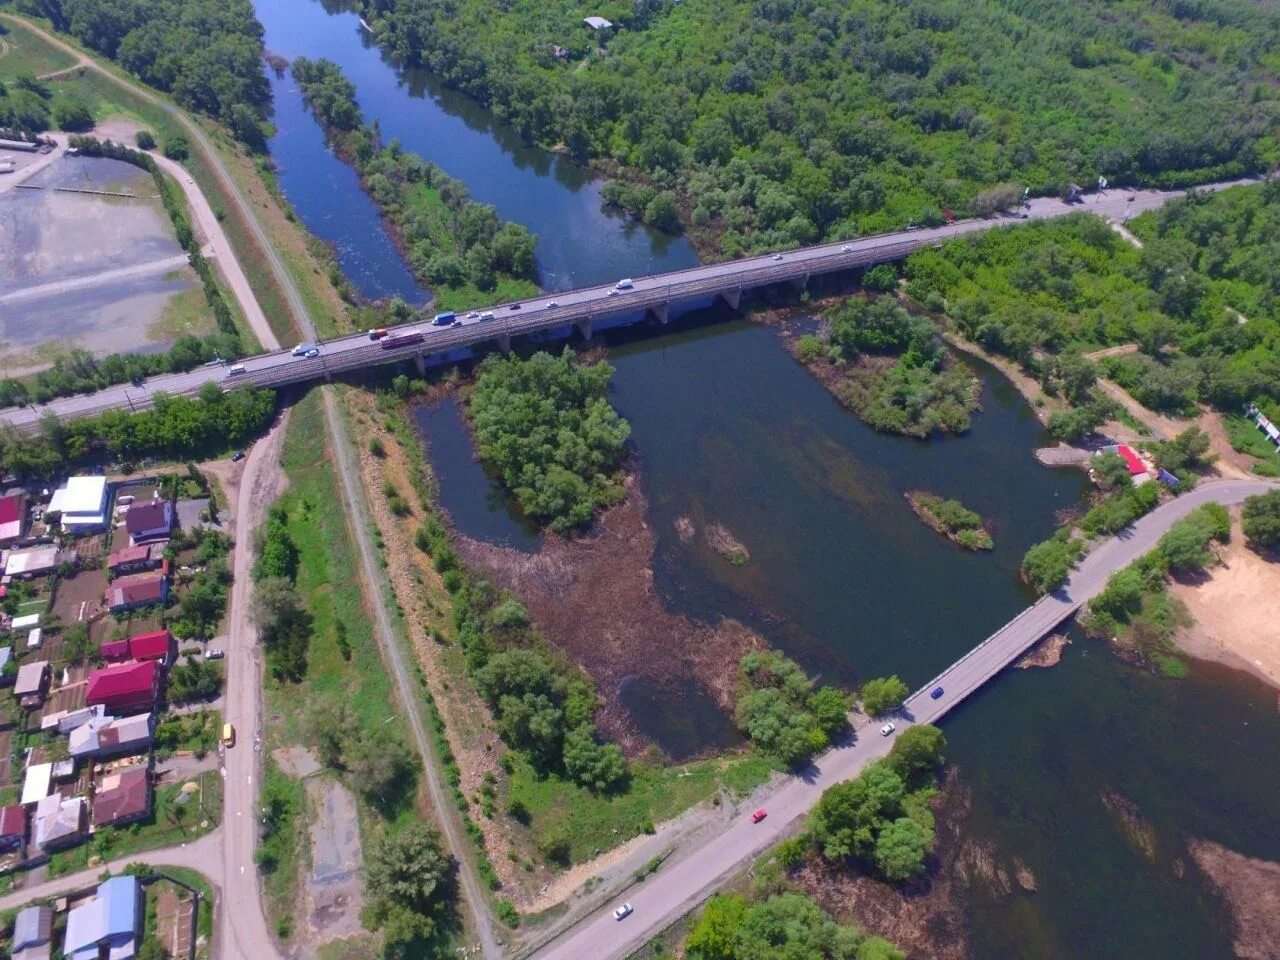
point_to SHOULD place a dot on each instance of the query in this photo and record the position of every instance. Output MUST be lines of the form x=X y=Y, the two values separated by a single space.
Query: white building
x=82 y=503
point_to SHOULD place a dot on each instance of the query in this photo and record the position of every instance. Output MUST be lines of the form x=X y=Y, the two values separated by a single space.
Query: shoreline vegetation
x=457 y=246
x=952 y=519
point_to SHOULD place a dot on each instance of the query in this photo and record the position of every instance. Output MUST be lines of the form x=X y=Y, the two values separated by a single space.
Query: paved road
x=194 y=856
x=242 y=926
x=576 y=306
x=680 y=887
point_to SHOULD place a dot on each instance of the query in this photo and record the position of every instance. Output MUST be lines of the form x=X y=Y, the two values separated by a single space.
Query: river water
x=727 y=428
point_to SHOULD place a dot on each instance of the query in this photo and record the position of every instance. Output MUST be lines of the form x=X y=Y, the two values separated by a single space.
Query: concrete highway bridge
x=585 y=309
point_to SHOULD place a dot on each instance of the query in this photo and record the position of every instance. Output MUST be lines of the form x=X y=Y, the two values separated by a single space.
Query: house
x=59 y=823
x=131 y=559
x=108 y=926
x=82 y=504
x=36 y=561
x=32 y=933
x=13 y=518
x=104 y=737
x=1139 y=471
x=126 y=687
x=156 y=645
x=6 y=654
x=137 y=590
x=32 y=683
x=64 y=721
x=597 y=23
x=36 y=783
x=149 y=520
x=122 y=797
x=13 y=827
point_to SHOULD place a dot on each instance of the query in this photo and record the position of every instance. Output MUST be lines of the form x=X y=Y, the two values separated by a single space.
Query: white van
x=487 y=315
x=624 y=284
x=235 y=369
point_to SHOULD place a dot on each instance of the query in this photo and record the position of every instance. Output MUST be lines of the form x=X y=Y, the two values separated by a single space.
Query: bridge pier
x=584 y=326
x=504 y=342
x=732 y=297
x=420 y=362
x=800 y=283
x=661 y=312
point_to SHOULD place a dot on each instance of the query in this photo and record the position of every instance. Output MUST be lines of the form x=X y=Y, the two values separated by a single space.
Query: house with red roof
x=13 y=518
x=114 y=651
x=122 y=797
x=13 y=827
x=125 y=687
x=131 y=559
x=156 y=645
x=138 y=590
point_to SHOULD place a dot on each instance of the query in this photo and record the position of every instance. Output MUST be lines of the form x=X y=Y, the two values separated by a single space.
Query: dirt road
x=242 y=925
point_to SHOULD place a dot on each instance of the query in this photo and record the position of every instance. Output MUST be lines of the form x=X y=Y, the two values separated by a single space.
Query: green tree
x=594 y=765
x=1112 y=471
x=72 y=114
x=901 y=848
x=883 y=694
x=714 y=936
x=1047 y=564
x=850 y=815
x=1188 y=450
x=410 y=886
x=917 y=751
x=1261 y=520
x=278 y=612
x=145 y=139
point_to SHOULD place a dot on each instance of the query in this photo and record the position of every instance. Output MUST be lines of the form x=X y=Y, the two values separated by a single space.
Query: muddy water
x=729 y=430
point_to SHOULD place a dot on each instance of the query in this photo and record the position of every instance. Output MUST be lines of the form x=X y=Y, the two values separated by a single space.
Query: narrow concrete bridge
x=585 y=309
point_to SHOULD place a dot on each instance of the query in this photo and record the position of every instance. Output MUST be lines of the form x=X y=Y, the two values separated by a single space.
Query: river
x=727 y=428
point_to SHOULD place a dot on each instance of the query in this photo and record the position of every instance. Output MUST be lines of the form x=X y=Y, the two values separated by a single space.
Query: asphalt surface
x=680 y=887
x=576 y=306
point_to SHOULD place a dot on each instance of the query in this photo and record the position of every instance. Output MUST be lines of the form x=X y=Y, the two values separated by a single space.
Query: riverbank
x=1236 y=610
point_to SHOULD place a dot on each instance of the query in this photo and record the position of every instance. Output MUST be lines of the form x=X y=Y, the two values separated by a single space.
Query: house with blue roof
x=108 y=926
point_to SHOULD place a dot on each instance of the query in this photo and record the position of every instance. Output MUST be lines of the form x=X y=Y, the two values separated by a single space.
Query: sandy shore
x=1236 y=610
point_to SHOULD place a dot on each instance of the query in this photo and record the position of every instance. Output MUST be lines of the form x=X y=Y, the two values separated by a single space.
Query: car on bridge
x=377 y=333
x=311 y=354
x=302 y=349
x=624 y=284
x=936 y=693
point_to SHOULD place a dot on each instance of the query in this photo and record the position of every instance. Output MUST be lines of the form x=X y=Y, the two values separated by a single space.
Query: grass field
x=282 y=846
x=21 y=51
x=594 y=822
x=1245 y=437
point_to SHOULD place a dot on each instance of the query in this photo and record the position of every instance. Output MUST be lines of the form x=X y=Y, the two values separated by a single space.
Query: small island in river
x=952 y=519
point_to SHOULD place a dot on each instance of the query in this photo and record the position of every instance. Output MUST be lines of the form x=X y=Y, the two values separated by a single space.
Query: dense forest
x=780 y=122
x=458 y=246
x=207 y=53
x=1201 y=300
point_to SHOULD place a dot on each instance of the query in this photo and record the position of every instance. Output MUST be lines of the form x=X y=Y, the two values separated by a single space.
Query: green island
x=891 y=367
x=952 y=519
x=459 y=246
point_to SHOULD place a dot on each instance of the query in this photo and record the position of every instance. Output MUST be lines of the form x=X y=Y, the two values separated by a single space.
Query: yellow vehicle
x=228 y=735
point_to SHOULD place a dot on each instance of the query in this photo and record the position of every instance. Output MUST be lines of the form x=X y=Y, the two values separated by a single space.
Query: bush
x=72 y=115
x=1047 y=564
x=1261 y=520
x=881 y=695
x=145 y=139
x=780 y=710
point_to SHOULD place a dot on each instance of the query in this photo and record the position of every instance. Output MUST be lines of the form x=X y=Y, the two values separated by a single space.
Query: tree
x=194 y=680
x=849 y=815
x=1112 y=471
x=883 y=694
x=1047 y=564
x=277 y=611
x=1261 y=520
x=176 y=147
x=830 y=707
x=380 y=765
x=76 y=643
x=917 y=751
x=72 y=114
x=410 y=886
x=1188 y=450
x=145 y=139
x=599 y=767
x=901 y=848
x=715 y=934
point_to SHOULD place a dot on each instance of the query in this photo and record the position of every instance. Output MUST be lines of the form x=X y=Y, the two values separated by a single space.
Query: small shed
x=597 y=23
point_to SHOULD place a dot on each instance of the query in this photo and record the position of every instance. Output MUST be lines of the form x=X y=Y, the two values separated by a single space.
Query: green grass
x=285 y=846
x=595 y=823
x=1245 y=437
x=21 y=51
x=186 y=312
x=329 y=582
x=168 y=825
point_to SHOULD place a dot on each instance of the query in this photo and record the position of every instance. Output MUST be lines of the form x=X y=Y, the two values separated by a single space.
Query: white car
x=622 y=912
x=473 y=315
x=551 y=304
x=846 y=249
x=887 y=729
x=777 y=256
x=213 y=653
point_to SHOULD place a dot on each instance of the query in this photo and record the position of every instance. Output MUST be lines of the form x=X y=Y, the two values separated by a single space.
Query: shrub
x=883 y=694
